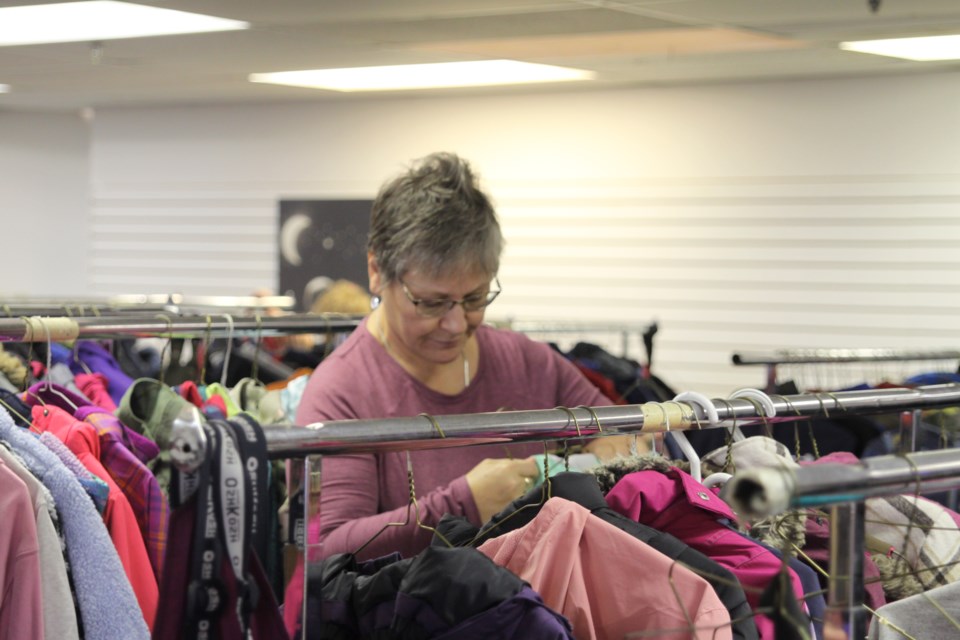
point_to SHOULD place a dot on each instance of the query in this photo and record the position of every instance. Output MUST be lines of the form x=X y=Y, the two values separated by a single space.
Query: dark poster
x=322 y=239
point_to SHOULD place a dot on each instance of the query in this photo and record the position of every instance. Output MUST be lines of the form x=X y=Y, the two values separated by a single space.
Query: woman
x=433 y=256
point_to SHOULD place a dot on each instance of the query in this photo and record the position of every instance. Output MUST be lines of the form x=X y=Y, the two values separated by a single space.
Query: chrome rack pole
x=397 y=434
x=811 y=356
x=36 y=328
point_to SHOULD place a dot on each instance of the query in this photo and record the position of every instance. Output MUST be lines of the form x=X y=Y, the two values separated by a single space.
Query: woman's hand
x=495 y=483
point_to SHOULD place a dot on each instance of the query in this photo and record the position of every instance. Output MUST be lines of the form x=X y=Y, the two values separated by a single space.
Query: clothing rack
x=771 y=359
x=936 y=469
x=60 y=328
x=767 y=491
x=397 y=434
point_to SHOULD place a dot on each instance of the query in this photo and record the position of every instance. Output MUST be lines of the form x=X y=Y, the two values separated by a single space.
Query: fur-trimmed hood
x=611 y=472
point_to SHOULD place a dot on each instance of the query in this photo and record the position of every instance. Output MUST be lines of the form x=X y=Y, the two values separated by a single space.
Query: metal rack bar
x=41 y=329
x=396 y=434
x=811 y=356
x=772 y=359
x=25 y=306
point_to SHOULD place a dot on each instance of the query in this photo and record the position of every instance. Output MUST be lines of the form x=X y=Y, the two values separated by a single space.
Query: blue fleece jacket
x=107 y=604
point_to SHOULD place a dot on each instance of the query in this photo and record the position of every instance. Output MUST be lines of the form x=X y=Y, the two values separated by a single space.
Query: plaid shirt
x=136 y=482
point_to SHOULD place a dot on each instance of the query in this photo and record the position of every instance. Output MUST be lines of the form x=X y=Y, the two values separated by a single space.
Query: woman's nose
x=454 y=320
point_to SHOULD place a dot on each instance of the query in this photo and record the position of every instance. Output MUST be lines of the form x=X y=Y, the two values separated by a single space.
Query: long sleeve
x=351 y=517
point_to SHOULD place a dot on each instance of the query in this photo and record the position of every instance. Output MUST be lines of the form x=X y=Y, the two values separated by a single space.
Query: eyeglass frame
x=449 y=304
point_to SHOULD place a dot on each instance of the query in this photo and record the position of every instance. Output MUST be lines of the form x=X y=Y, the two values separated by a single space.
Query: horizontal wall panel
x=737 y=217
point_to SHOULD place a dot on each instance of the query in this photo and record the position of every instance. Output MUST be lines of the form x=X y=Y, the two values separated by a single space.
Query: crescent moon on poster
x=290 y=234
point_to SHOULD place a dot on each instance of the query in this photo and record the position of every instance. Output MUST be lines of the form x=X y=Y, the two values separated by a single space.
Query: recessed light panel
x=101 y=20
x=424 y=76
x=921 y=49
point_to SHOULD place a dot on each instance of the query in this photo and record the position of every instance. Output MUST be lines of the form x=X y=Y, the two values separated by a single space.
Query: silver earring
x=374 y=302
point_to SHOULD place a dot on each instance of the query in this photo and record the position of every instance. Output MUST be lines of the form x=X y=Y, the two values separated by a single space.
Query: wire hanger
x=205 y=345
x=49 y=388
x=167 y=349
x=546 y=492
x=412 y=506
x=226 y=358
x=255 y=366
x=76 y=357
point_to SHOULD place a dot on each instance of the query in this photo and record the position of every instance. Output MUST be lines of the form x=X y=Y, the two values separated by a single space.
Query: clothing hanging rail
x=767 y=491
x=771 y=359
x=42 y=329
x=174 y=302
x=808 y=356
x=392 y=434
x=396 y=434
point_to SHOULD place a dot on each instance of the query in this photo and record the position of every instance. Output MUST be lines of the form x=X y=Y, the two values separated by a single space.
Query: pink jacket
x=21 y=615
x=676 y=503
x=605 y=581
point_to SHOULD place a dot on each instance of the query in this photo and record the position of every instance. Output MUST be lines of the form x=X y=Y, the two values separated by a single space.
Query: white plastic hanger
x=701 y=405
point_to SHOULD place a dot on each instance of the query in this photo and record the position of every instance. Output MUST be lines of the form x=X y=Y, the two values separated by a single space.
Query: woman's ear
x=373 y=273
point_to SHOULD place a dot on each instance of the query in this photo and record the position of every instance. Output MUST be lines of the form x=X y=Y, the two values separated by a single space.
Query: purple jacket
x=676 y=503
x=99 y=360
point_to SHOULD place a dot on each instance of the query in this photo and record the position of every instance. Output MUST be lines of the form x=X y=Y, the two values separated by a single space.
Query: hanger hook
x=434 y=422
x=167 y=348
x=206 y=348
x=255 y=367
x=593 y=414
x=576 y=423
x=728 y=460
x=46 y=328
x=796 y=423
x=226 y=358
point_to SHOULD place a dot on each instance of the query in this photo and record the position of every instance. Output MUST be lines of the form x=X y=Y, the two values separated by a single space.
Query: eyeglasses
x=440 y=306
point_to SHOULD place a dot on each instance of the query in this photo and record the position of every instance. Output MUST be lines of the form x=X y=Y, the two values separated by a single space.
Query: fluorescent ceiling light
x=920 y=49
x=4 y=88
x=100 y=20
x=424 y=76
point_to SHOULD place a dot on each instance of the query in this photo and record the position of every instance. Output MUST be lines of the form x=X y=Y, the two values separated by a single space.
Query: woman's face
x=440 y=339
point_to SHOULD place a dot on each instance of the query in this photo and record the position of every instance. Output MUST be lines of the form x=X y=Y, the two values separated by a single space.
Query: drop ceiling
x=628 y=43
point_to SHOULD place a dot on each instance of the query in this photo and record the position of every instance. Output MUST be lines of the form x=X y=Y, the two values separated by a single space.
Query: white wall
x=44 y=177
x=740 y=217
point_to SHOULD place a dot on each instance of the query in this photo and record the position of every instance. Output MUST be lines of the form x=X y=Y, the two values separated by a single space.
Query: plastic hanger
x=769 y=410
x=701 y=402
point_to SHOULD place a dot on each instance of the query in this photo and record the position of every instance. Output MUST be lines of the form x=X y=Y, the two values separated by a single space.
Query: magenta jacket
x=676 y=503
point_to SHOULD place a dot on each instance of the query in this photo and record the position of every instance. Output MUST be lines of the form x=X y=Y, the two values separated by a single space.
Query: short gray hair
x=435 y=218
